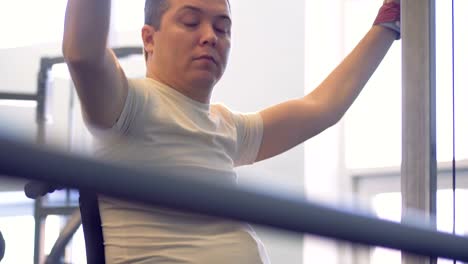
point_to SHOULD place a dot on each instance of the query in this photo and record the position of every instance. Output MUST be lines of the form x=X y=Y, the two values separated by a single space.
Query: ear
x=147 y=33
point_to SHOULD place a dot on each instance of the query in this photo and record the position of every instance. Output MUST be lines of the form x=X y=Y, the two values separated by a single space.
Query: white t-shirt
x=161 y=128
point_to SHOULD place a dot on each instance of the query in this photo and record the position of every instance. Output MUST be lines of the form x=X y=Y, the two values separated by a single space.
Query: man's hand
x=389 y=16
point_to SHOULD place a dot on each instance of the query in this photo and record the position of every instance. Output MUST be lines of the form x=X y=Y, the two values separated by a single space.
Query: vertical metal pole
x=39 y=230
x=419 y=161
x=39 y=218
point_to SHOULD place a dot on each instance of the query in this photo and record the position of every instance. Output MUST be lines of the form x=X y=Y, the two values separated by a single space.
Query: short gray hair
x=154 y=10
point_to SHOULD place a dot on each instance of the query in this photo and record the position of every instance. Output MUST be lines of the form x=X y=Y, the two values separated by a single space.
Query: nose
x=209 y=36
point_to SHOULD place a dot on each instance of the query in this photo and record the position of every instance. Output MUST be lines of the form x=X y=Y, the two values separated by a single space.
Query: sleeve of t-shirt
x=249 y=137
x=124 y=122
x=129 y=112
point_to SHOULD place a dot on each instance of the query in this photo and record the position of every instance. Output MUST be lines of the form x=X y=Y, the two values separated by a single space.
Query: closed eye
x=191 y=25
x=223 y=26
x=222 y=30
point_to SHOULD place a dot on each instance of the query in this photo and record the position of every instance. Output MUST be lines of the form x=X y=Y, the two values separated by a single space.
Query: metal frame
x=40 y=210
x=39 y=98
x=56 y=253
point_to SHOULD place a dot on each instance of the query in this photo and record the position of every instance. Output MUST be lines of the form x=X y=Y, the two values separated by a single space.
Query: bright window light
x=388 y=206
x=373 y=124
x=25 y=23
x=18 y=103
x=18 y=232
x=128 y=15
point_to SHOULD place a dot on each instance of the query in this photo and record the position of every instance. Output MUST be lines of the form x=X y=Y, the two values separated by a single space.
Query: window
x=373 y=124
x=17 y=226
x=75 y=251
x=388 y=206
x=372 y=127
x=18 y=232
x=128 y=15
x=18 y=119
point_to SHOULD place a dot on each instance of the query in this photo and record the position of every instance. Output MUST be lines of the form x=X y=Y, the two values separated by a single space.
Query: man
x=166 y=120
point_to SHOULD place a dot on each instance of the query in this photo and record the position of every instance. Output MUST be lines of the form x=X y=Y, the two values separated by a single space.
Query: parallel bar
x=183 y=192
x=419 y=161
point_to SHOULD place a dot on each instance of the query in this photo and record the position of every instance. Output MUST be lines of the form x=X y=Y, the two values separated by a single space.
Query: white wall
x=324 y=156
x=267 y=67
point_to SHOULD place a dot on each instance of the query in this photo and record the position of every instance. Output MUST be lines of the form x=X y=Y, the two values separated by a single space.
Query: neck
x=198 y=92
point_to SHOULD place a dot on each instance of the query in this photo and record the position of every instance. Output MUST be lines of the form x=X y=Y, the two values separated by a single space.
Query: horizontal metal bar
x=57 y=210
x=127 y=51
x=186 y=192
x=18 y=96
x=48 y=62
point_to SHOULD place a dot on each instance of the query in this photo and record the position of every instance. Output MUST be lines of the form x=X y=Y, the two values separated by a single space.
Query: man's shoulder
x=224 y=110
x=143 y=87
x=221 y=109
x=139 y=83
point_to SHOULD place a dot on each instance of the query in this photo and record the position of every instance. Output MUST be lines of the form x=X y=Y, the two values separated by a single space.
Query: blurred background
x=280 y=50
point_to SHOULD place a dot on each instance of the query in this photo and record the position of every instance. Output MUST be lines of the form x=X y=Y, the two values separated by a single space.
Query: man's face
x=191 y=47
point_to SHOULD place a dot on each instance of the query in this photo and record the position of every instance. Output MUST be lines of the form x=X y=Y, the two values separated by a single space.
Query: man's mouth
x=207 y=57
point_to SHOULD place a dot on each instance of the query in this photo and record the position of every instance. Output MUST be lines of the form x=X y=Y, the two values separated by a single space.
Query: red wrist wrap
x=389 y=12
x=388 y=16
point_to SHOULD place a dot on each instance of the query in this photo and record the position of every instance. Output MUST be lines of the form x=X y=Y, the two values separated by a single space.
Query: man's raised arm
x=293 y=122
x=99 y=80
